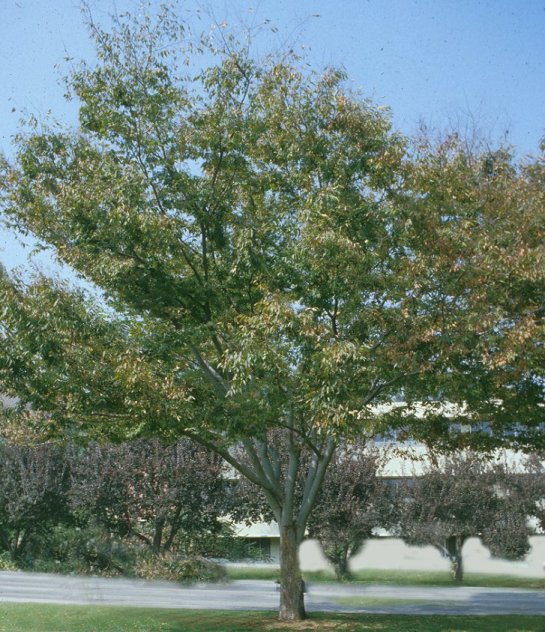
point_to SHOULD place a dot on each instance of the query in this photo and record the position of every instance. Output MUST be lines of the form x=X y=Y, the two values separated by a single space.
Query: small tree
x=461 y=497
x=33 y=494
x=155 y=493
x=353 y=501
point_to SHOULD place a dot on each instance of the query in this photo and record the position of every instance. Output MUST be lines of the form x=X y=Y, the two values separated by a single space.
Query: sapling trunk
x=454 y=547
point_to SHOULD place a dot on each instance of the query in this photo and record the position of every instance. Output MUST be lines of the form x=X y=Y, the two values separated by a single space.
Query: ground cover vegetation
x=271 y=256
x=49 y=618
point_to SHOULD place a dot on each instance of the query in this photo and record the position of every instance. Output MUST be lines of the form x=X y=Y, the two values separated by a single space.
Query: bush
x=89 y=550
x=224 y=545
x=33 y=495
x=100 y=552
x=92 y=550
x=6 y=563
x=172 y=567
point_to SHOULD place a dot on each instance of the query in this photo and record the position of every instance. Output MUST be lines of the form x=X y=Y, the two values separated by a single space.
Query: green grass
x=404 y=578
x=249 y=572
x=50 y=618
x=380 y=602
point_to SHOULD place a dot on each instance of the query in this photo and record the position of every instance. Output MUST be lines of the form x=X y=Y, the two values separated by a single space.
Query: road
x=262 y=595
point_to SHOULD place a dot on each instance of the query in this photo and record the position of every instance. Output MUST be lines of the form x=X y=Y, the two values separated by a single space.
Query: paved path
x=262 y=595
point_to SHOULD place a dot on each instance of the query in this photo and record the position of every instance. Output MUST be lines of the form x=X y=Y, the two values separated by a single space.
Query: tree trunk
x=454 y=547
x=158 y=536
x=457 y=568
x=342 y=572
x=337 y=555
x=15 y=548
x=292 y=604
x=174 y=524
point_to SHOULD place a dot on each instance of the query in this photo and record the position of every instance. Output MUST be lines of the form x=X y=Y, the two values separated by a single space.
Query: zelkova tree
x=466 y=496
x=272 y=258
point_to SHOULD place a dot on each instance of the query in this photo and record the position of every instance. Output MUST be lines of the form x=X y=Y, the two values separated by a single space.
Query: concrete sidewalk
x=262 y=595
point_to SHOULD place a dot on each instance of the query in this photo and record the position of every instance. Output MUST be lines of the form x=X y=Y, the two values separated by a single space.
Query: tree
x=353 y=502
x=461 y=497
x=33 y=494
x=148 y=491
x=271 y=257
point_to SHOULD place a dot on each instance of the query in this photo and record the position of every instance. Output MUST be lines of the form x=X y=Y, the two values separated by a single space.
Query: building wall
x=393 y=553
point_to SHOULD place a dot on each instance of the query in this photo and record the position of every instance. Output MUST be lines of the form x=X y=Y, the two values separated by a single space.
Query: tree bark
x=292 y=604
x=342 y=570
x=337 y=554
x=454 y=547
x=158 y=536
x=457 y=568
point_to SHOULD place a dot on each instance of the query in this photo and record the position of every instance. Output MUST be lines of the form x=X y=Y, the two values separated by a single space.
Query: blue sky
x=444 y=62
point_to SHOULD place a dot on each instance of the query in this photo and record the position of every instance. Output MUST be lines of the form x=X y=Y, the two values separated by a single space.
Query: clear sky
x=444 y=62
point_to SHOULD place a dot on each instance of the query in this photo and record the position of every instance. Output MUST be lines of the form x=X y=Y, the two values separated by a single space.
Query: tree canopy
x=272 y=255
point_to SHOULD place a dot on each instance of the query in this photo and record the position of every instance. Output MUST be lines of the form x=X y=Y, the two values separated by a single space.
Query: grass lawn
x=413 y=578
x=50 y=618
x=385 y=602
